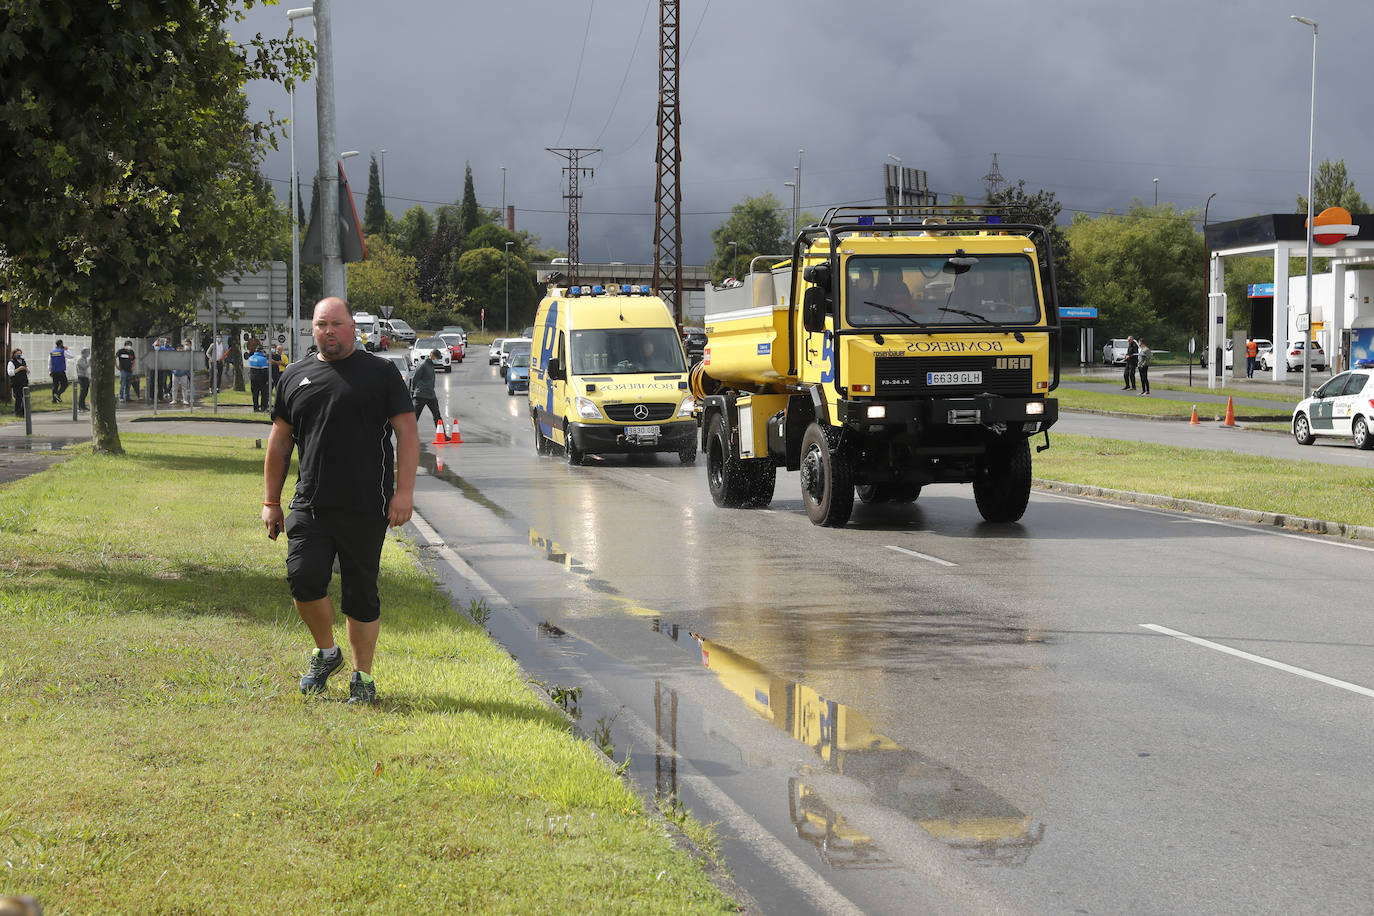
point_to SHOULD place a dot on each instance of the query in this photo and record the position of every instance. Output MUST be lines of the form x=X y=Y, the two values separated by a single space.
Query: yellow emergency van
x=608 y=375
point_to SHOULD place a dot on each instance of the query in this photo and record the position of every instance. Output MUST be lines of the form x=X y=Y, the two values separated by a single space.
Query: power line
x=572 y=96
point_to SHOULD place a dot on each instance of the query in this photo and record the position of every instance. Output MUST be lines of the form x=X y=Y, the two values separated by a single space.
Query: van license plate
x=641 y=433
x=954 y=378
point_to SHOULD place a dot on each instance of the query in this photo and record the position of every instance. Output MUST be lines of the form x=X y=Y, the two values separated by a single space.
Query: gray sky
x=1089 y=100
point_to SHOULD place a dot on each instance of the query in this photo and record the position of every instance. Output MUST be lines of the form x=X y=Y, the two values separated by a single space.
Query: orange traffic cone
x=1230 y=413
x=457 y=437
x=1193 y=421
x=439 y=437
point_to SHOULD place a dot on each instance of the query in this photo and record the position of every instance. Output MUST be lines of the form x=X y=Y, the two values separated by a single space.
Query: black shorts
x=315 y=537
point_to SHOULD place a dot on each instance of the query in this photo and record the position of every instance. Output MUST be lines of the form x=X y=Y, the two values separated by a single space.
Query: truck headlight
x=1035 y=408
x=689 y=404
x=877 y=411
x=586 y=409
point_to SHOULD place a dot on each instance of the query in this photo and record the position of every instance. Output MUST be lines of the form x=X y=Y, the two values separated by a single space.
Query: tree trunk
x=104 y=428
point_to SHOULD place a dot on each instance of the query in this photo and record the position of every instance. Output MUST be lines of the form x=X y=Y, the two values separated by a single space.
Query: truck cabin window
x=892 y=292
x=613 y=351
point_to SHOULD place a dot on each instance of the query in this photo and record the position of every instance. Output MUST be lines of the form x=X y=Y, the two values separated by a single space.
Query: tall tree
x=757 y=225
x=386 y=279
x=469 y=214
x=1142 y=271
x=374 y=209
x=415 y=230
x=1332 y=187
x=138 y=189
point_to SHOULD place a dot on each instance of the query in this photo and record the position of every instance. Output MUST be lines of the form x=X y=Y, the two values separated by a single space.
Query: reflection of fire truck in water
x=948 y=804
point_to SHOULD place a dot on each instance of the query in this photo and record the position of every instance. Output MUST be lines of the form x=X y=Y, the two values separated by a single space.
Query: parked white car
x=422 y=348
x=1293 y=358
x=494 y=351
x=1343 y=407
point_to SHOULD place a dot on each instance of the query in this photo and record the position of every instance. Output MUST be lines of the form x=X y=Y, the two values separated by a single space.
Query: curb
x=1248 y=418
x=1254 y=516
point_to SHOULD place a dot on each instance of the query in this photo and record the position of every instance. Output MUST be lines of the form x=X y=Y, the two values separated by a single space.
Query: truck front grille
x=625 y=413
x=907 y=376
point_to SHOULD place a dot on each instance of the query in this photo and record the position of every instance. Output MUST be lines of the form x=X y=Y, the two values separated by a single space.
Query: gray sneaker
x=321 y=667
x=360 y=690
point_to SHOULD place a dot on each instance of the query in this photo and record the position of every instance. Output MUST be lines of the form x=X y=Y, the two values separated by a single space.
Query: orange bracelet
x=271 y=504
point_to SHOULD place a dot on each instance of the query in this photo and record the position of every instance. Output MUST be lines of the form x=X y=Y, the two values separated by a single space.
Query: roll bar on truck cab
x=897 y=347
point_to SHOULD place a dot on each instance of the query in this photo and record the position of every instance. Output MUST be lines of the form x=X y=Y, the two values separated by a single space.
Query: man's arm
x=407 y=457
x=280 y=442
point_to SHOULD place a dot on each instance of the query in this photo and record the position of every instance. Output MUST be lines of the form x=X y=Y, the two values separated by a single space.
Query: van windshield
x=932 y=290
x=613 y=351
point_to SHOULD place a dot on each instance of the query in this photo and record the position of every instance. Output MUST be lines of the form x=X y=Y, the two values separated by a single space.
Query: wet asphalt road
x=922 y=712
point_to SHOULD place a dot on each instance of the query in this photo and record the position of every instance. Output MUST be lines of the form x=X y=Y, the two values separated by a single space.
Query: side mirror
x=818 y=274
x=555 y=370
x=815 y=307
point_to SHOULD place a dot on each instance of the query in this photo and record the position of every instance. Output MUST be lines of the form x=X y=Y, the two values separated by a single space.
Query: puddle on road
x=435 y=466
x=948 y=804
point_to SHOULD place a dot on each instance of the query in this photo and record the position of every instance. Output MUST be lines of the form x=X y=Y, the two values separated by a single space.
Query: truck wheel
x=889 y=492
x=688 y=453
x=723 y=475
x=575 y=454
x=1001 y=486
x=827 y=478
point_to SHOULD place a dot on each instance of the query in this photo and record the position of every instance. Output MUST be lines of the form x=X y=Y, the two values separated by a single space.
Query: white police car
x=1343 y=407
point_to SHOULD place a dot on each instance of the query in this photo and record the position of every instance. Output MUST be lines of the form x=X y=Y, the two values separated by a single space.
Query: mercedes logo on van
x=641 y=412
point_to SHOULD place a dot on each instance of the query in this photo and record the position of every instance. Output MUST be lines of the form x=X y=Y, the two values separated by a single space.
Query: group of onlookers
x=173 y=386
x=17 y=368
x=1138 y=359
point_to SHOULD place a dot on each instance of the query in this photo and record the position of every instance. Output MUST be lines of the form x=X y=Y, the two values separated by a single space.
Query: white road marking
x=920 y=556
x=1260 y=659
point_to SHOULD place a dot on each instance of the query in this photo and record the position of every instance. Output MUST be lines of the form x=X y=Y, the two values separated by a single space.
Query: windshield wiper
x=895 y=311
x=983 y=318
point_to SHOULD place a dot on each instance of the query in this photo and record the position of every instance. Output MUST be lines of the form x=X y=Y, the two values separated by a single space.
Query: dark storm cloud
x=1090 y=100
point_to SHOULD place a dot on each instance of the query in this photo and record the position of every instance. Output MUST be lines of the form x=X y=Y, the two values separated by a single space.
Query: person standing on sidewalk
x=18 y=372
x=124 y=361
x=422 y=387
x=1132 y=360
x=57 y=369
x=83 y=378
x=1144 y=355
x=1251 y=351
x=339 y=409
x=181 y=380
x=257 y=378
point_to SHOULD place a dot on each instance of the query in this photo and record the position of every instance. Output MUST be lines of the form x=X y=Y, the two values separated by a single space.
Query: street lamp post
x=1156 y=192
x=734 y=254
x=334 y=280
x=793 y=226
x=1311 y=130
x=796 y=194
x=383 y=176
x=503 y=198
x=291 y=17
x=508 y=244
x=1206 y=290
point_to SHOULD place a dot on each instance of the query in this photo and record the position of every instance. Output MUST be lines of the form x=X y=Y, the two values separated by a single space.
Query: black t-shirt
x=124 y=357
x=340 y=413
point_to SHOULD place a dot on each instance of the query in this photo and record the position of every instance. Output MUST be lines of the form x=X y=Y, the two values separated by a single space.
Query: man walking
x=339 y=409
x=57 y=368
x=422 y=388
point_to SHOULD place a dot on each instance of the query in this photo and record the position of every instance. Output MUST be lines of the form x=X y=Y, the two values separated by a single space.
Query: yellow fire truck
x=895 y=348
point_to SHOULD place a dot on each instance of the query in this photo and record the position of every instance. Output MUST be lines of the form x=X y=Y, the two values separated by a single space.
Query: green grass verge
x=159 y=759
x=1133 y=404
x=1300 y=488
x=1256 y=394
